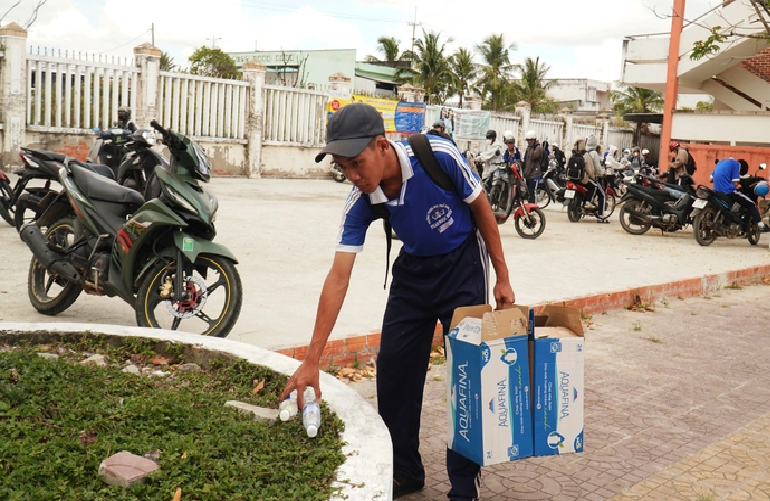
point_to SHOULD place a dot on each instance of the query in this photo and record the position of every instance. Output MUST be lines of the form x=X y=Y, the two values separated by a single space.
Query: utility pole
x=213 y=41
x=153 y=34
x=413 y=25
x=672 y=83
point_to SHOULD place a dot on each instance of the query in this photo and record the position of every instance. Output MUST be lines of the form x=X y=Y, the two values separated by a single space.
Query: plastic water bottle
x=311 y=413
x=288 y=408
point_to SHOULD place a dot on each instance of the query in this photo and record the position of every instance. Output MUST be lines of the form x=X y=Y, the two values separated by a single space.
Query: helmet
x=555 y=145
x=531 y=134
x=761 y=189
x=508 y=136
x=491 y=134
x=636 y=148
x=438 y=124
x=645 y=151
x=672 y=145
x=626 y=151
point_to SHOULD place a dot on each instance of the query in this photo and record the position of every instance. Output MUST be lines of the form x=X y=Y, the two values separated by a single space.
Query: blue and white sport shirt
x=428 y=220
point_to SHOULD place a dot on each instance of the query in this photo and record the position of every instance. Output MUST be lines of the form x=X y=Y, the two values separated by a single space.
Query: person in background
x=560 y=157
x=438 y=130
x=679 y=165
x=595 y=173
x=493 y=153
x=727 y=179
x=532 y=157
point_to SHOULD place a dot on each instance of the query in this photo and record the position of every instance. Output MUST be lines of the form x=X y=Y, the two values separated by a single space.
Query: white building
x=581 y=94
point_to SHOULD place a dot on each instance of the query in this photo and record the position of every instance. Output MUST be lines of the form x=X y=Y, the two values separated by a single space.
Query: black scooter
x=649 y=203
x=140 y=160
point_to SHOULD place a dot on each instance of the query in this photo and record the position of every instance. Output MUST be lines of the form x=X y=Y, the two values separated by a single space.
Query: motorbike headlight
x=177 y=198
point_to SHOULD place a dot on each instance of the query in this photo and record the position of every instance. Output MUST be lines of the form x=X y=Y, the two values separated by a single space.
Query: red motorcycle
x=578 y=207
x=507 y=193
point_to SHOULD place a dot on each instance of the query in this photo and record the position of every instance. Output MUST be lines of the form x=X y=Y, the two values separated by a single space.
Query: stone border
x=340 y=352
x=367 y=472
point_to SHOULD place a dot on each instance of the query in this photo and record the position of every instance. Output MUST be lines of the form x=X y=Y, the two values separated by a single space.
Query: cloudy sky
x=576 y=39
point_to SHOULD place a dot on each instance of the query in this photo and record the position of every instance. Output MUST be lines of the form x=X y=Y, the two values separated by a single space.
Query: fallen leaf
x=259 y=386
x=177 y=495
x=430 y=366
x=440 y=350
x=14 y=375
x=161 y=360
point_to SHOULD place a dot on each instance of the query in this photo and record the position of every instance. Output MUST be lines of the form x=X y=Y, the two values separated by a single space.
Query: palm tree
x=388 y=47
x=463 y=72
x=629 y=99
x=533 y=85
x=431 y=66
x=495 y=73
x=166 y=62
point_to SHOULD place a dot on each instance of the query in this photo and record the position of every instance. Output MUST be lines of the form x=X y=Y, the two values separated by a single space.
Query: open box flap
x=468 y=311
x=559 y=316
x=504 y=323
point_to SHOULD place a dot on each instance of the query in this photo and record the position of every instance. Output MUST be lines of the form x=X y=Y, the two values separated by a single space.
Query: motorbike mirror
x=497 y=153
x=762 y=166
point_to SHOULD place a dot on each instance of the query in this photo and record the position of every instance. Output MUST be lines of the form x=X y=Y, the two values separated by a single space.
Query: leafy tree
x=629 y=99
x=463 y=72
x=213 y=63
x=431 y=66
x=388 y=47
x=533 y=84
x=496 y=72
x=720 y=34
x=704 y=105
x=166 y=62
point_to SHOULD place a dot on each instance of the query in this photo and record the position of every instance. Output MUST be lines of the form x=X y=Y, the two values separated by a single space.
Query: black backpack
x=544 y=158
x=422 y=150
x=576 y=167
x=691 y=165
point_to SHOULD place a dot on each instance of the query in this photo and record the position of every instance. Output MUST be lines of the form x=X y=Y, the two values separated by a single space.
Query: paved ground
x=283 y=232
x=677 y=408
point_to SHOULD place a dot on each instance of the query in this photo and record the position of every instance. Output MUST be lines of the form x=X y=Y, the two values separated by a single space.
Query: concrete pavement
x=283 y=232
x=677 y=408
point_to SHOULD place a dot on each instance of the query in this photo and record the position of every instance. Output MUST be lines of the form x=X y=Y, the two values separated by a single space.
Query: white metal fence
x=553 y=131
x=622 y=138
x=582 y=131
x=202 y=106
x=501 y=123
x=72 y=93
x=294 y=116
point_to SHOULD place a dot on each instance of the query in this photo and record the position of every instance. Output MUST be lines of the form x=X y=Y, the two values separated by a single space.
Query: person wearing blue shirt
x=448 y=238
x=727 y=178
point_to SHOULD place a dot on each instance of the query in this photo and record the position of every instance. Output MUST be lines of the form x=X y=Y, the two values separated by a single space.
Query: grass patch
x=653 y=339
x=60 y=420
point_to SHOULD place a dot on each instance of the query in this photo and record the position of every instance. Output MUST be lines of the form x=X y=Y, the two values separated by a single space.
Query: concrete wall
x=293 y=162
x=228 y=157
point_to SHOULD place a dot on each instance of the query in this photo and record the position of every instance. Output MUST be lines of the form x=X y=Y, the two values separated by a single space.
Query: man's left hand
x=504 y=295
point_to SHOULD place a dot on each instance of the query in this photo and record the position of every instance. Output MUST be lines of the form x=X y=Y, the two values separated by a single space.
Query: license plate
x=569 y=194
x=699 y=204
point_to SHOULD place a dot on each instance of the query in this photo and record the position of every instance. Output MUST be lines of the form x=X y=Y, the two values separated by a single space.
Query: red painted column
x=672 y=83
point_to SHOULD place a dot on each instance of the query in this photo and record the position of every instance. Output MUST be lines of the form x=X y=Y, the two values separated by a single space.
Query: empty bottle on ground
x=288 y=408
x=311 y=413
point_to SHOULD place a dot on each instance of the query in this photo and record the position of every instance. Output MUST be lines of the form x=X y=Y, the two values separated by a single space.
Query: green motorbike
x=155 y=254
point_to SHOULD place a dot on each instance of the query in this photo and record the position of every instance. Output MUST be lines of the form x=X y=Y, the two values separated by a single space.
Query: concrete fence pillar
x=523 y=110
x=569 y=134
x=472 y=103
x=339 y=85
x=605 y=121
x=13 y=92
x=147 y=90
x=254 y=73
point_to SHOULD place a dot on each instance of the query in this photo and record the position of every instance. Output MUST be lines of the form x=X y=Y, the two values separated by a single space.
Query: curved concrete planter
x=367 y=473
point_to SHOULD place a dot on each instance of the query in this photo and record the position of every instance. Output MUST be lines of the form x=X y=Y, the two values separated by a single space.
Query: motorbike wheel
x=49 y=294
x=543 y=198
x=6 y=207
x=574 y=208
x=214 y=284
x=610 y=203
x=703 y=226
x=631 y=223
x=530 y=226
x=753 y=234
x=338 y=176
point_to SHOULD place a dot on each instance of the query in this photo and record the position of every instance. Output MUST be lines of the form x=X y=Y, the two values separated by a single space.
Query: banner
x=471 y=125
x=399 y=116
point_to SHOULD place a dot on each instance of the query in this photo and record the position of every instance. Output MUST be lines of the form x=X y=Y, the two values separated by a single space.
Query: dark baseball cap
x=350 y=129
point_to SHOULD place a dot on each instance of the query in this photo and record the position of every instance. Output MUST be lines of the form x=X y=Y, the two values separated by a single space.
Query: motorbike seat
x=100 y=169
x=101 y=188
x=59 y=157
x=725 y=198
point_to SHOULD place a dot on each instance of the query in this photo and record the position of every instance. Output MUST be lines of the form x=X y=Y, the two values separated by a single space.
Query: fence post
x=523 y=110
x=605 y=130
x=254 y=73
x=569 y=134
x=147 y=92
x=13 y=91
x=472 y=103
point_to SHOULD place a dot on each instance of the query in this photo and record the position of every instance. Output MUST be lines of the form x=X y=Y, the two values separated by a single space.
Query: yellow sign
x=386 y=108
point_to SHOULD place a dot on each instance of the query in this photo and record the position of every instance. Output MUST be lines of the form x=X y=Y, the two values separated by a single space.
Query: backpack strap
x=422 y=150
x=381 y=211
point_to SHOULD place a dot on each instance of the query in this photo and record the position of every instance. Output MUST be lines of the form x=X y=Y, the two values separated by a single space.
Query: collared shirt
x=726 y=171
x=428 y=220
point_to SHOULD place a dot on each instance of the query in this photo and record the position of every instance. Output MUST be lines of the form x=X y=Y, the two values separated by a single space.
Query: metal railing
x=294 y=116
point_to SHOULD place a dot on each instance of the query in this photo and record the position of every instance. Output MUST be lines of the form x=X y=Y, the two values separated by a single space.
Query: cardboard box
x=558 y=343
x=490 y=419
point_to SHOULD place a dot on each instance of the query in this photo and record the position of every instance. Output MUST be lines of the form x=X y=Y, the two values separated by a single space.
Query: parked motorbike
x=716 y=215
x=110 y=148
x=578 y=207
x=648 y=203
x=507 y=190
x=24 y=201
x=158 y=256
x=337 y=173
x=140 y=161
x=548 y=185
